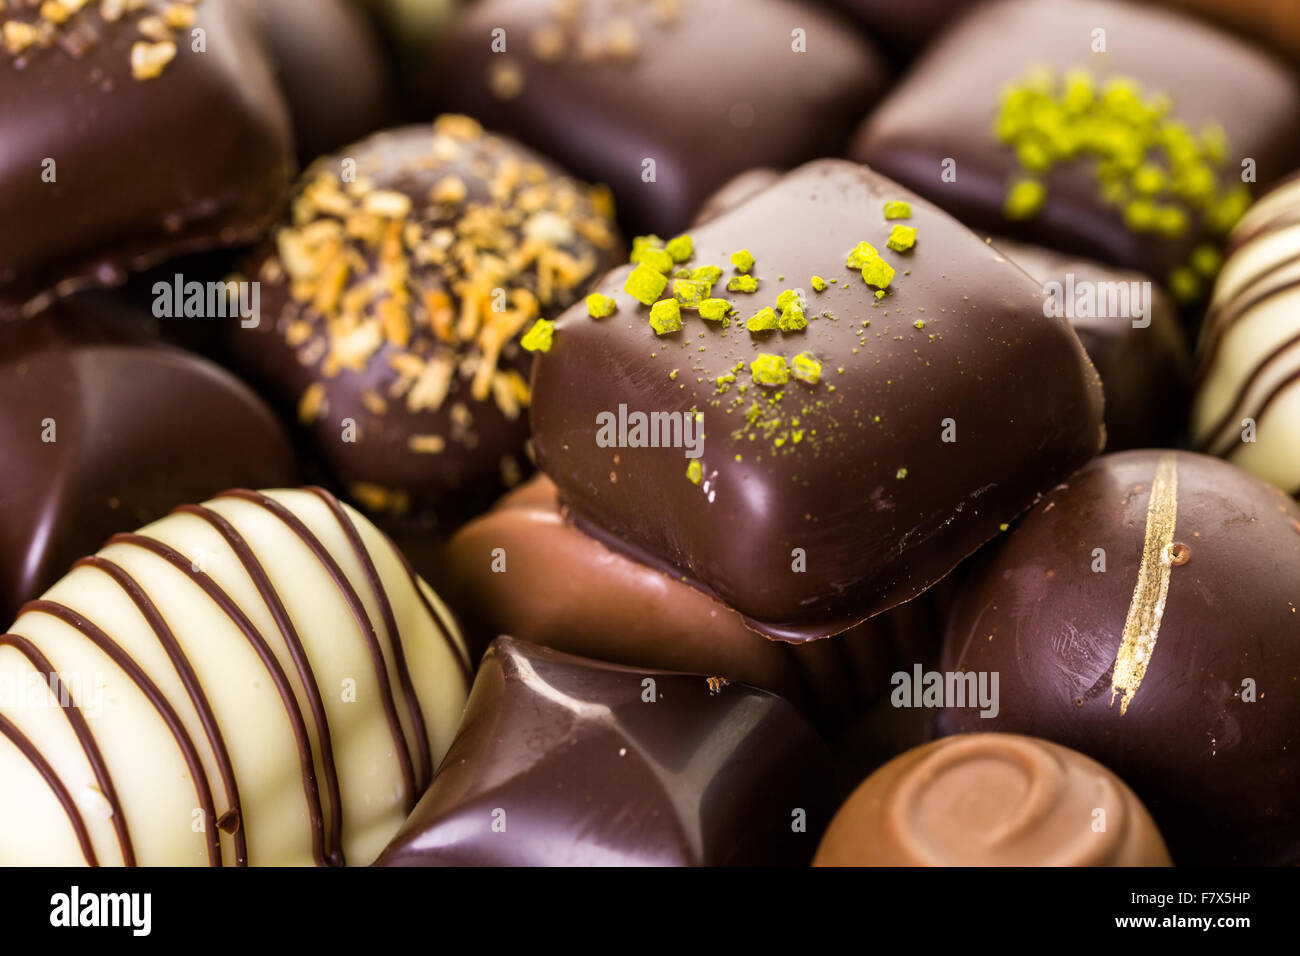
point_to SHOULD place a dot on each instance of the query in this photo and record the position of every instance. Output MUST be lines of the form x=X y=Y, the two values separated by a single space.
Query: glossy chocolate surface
x=1177 y=667
x=332 y=69
x=525 y=570
x=944 y=109
x=146 y=166
x=564 y=761
x=992 y=800
x=137 y=427
x=853 y=470
x=704 y=89
x=1145 y=371
x=395 y=302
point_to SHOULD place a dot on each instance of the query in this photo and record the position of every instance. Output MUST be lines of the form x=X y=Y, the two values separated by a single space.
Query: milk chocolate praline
x=524 y=569
x=132 y=141
x=104 y=429
x=992 y=800
x=393 y=300
x=818 y=502
x=564 y=761
x=1146 y=613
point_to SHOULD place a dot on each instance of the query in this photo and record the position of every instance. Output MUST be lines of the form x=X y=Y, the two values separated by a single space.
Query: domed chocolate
x=1247 y=406
x=1147 y=613
x=393 y=299
x=256 y=680
x=992 y=800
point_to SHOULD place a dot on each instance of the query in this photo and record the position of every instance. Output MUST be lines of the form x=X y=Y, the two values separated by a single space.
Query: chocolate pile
x=678 y=419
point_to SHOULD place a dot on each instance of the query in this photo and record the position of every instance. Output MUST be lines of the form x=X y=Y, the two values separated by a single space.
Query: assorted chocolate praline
x=731 y=518
x=1146 y=613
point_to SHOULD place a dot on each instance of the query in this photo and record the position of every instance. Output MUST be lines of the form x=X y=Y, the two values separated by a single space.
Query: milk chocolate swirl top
x=259 y=679
x=992 y=800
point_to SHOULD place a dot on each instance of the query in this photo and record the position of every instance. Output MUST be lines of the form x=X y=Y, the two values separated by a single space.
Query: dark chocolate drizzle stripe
x=1227 y=314
x=366 y=625
x=84 y=737
x=43 y=767
x=158 y=699
x=423 y=773
x=272 y=664
x=236 y=542
x=445 y=625
x=185 y=671
x=1219 y=438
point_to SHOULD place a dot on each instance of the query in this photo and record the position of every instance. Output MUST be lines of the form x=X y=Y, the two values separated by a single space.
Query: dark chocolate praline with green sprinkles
x=828 y=490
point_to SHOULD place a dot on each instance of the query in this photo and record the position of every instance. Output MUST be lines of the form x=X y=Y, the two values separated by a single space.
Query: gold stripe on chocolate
x=1147 y=608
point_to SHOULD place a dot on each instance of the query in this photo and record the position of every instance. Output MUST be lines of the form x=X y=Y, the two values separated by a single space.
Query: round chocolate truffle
x=394 y=298
x=1247 y=406
x=1147 y=613
x=256 y=680
x=992 y=800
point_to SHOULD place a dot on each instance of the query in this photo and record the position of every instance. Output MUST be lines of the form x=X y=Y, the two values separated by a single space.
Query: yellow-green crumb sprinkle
x=1185 y=284
x=818 y=283
x=645 y=284
x=690 y=292
x=1206 y=260
x=600 y=306
x=919 y=324
x=666 y=316
x=791 y=304
x=901 y=238
x=877 y=272
x=1025 y=199
x=680 y=248
x=807 y=368
x=742 y=284
x=900 y=474
x=649 y=250
x=862 y=253
x=672 y=376
x=539 y=337
x=715 y=310
x=742 y=260
x=768 y=369
x=695 y=471
x=764 y=320
x=897 y=209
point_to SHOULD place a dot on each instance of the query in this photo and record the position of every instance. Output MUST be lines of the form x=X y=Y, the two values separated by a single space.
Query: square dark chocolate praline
x=943 y=407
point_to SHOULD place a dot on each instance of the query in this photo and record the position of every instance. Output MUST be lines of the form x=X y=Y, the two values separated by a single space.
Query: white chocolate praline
x=1247 y=406
x=341 y=625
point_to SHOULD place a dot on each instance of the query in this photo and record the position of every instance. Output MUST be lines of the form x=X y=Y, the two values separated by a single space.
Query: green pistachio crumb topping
x=539 y=337
x=862 y=253
x=897 y=209
x=819 y=284
x=742 y=260
x=680 y=248
x=1025 y=199
x=600 y=306
x=715 y=310
x=807 y=368
x=690 y=292
x=645 y=284
x=793 y=317
x=900 y=474
x=1206 y=260
x=666 y=316
x=768 y=369
x=901 y=238
x=919 y=324
x=742 y=284
x=694 y=472
x=1185 y=284
x=764 y=320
